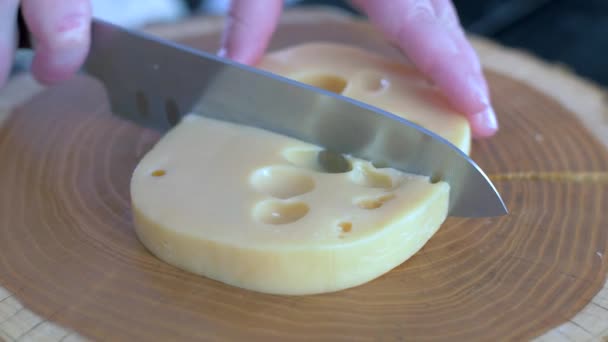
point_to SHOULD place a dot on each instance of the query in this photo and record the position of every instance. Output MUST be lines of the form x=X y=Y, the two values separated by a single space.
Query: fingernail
x=50 y=67
x=65 y=53
x=484 y=123
x=222 y=52
x=66 y=58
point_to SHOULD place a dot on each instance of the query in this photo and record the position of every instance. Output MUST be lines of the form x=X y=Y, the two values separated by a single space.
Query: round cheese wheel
x=269 y=213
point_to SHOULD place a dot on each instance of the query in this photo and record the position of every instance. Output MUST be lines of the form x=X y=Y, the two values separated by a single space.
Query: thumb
x=249 y=28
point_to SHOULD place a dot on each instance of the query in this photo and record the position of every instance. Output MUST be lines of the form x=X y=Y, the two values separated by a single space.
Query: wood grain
x=69 y=253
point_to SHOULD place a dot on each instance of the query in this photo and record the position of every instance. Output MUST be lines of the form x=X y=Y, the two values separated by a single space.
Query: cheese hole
x=158 y=173
x=373 y=202
x=276 y=212
x=372 y=81
x=282 y=182
x=172 y=111
x=318 y=160
x=369 y=176
x=332 y=83
x=380 y=164
x=332 y=162
x=346 y=226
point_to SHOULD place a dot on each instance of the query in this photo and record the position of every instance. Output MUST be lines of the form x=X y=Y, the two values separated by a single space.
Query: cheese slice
x=375 y=80
x=272 y=214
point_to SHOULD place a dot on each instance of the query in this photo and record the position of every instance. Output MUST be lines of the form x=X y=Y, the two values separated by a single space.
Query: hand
x=427 y=31
x=60 y=30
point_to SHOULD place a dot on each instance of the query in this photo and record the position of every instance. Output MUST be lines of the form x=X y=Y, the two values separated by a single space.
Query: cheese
x=375 y=80
x=263 y=212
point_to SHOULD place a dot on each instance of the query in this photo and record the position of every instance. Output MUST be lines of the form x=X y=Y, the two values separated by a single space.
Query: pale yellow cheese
x=253 y=209
x=373 y=79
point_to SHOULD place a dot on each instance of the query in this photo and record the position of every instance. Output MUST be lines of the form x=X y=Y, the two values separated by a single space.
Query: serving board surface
x=71 y=266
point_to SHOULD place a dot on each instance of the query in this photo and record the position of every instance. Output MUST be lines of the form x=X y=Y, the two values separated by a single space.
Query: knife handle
x=23 y=32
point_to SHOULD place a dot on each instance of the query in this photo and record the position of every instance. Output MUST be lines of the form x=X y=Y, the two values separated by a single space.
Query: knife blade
x=155 y=82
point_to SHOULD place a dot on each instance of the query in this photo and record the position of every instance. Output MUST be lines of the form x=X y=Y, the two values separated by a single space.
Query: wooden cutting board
x=71 y=267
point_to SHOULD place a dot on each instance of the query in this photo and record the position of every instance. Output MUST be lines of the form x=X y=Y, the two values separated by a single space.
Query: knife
x=154 y=82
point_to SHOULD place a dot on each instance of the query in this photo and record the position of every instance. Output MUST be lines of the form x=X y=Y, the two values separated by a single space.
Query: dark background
x=570 y=32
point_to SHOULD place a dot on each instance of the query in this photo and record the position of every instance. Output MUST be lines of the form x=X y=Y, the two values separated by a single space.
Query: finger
x=249 y=28
x=415 y=27
x=8 y=32
x=61 y=32
x=448 y=17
